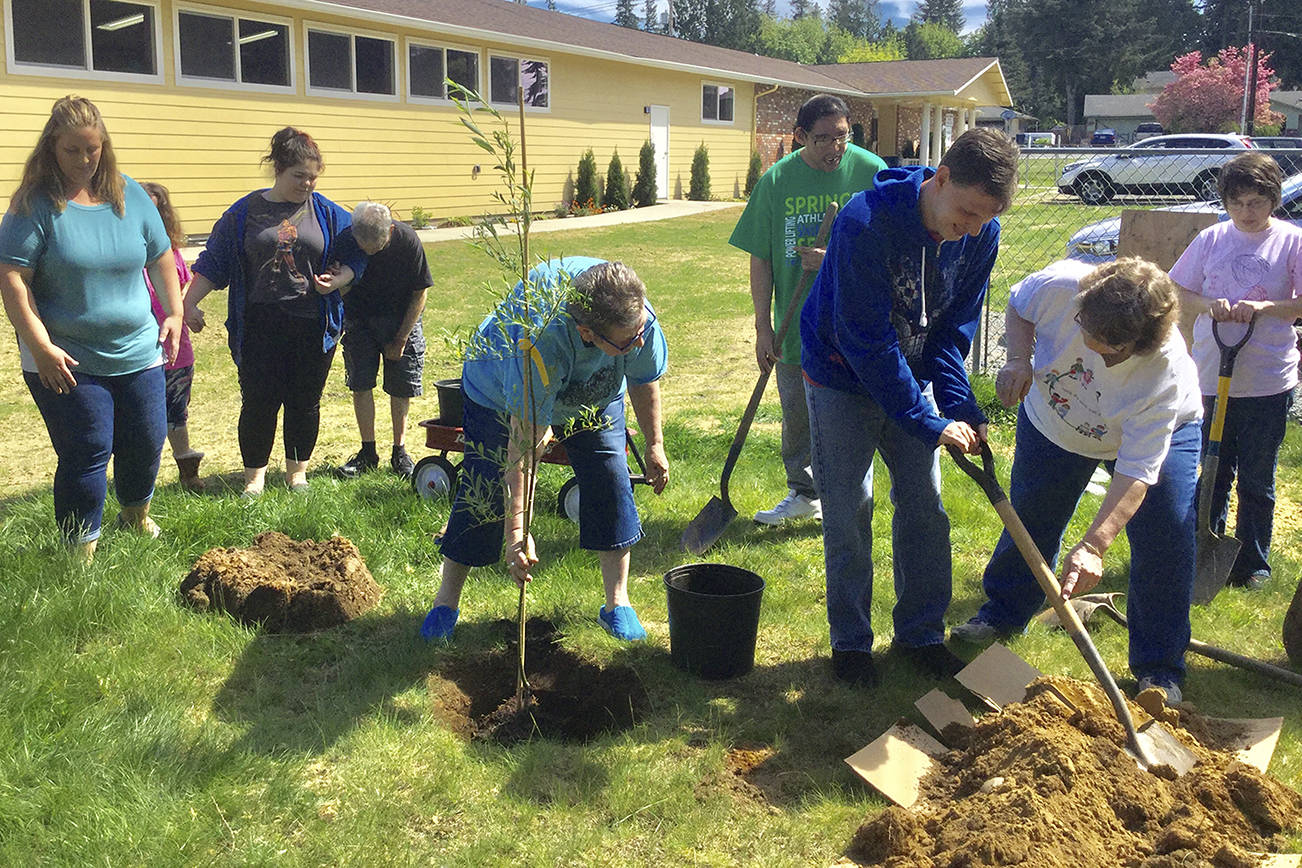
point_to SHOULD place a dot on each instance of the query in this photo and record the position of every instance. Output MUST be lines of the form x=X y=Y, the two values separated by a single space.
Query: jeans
x=1047 y=482
x=608 y=518
x=795 y=429
x=847 y=430
x=1254 y=431
x=281 y=364
x=122 y=416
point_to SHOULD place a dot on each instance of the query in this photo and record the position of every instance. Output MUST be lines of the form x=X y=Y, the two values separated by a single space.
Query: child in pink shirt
x=179 y=372
x=1249 y=266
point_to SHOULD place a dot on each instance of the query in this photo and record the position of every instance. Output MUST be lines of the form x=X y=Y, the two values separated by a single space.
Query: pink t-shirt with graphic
x=185 y=352
x=1224 y=262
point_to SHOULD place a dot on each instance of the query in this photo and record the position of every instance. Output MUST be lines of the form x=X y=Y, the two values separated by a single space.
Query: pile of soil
x=569 y=698
x=1043 y=785
x=282 y=584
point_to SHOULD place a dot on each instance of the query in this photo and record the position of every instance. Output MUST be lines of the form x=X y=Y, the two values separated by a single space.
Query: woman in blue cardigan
x=275 y=251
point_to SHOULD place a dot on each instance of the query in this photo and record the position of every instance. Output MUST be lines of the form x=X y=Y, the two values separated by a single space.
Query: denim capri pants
x=607 y=514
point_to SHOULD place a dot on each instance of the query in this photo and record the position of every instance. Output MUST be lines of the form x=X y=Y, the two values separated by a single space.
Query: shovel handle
x=1048 y=583
x=1229 y=352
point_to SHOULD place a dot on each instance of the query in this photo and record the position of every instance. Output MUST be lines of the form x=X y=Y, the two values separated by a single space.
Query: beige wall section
x=205 y=143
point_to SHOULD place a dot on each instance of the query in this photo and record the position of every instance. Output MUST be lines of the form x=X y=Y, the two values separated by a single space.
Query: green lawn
x=137 y=732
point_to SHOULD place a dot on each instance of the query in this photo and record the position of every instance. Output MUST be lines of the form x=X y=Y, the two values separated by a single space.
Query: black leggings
x=281 y=364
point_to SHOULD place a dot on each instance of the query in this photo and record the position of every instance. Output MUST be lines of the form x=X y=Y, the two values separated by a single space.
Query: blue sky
x=604 y=10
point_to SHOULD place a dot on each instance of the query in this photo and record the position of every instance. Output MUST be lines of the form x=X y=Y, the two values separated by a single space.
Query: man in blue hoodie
x=884 y=337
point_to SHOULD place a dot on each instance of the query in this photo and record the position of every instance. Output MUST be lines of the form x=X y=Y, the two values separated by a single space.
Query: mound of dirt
x=569 y=698
x=1042 y=785
x=282 y=584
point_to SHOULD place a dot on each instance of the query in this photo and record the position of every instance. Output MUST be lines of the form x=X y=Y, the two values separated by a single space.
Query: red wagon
x=435 y=476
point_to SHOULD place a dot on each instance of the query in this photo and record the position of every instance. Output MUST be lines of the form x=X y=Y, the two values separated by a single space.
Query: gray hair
x=372 y=222
x=608 y=295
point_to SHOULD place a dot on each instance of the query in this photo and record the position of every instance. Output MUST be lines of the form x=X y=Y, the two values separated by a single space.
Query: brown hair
x=1251 y=172
x=609 y=294
x=986 y=159
x=289 y=147
x=41 y=176
x=172 y=223
x=1129 y=300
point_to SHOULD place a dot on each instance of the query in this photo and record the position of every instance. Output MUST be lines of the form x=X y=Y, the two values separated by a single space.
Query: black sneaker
x=1254 y=582
x=360 y=463
x=936 y=661
x=401 y=463
x=855 y=667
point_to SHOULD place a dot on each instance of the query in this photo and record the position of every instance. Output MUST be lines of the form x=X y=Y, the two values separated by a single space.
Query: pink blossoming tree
x=1208 y=97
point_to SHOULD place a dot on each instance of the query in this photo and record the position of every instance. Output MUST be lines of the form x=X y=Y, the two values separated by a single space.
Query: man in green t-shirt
x=778 y=230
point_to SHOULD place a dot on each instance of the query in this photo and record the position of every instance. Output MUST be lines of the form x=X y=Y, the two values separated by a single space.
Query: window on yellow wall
x=208 y=49
x=507 y=75
x=717 y=103
x=52 y=33
x=351 y=63
x=428 y=67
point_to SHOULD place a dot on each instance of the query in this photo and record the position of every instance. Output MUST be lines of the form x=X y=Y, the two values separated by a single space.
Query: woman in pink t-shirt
x=1250 y=265
x=179 y=372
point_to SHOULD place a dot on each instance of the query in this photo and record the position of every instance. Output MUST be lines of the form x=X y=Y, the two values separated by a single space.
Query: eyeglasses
x=823 y=139
x=1106 y=347
x=650 y=320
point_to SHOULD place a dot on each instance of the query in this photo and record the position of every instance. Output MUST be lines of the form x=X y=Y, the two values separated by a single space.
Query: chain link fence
x=1069 y=203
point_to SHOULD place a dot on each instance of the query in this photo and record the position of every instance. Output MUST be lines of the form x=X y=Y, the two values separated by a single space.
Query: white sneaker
x=1173 y=694
x=790 y=507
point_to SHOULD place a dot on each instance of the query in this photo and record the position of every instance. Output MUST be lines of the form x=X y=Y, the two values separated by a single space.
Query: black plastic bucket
x=449 y=392
x=714 y=614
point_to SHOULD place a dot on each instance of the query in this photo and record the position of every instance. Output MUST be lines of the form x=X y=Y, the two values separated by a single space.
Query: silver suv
x=1178 y=164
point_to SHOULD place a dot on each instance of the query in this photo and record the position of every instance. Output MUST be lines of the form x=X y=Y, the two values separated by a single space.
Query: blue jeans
x=846 y=430
x=123 y=416
x=1047 y=482
x=1254 y=431
x=607 y=514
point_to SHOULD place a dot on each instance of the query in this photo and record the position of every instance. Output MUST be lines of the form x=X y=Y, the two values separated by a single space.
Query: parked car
x=1291 y=163
x=1106 y=137
x=1098 y=242
x=1157 y=166
x=1036 y=139
x=1147 y=130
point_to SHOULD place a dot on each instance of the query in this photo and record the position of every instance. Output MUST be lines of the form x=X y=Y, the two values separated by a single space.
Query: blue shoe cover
x=622 y=623
x=439 y=623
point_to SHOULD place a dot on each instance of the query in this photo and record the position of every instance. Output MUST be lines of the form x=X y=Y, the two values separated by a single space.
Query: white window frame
x=351 y=33
x=445 y=47
x=234 y=16
x=85 y=72
x=487 y=78
x=715 y=121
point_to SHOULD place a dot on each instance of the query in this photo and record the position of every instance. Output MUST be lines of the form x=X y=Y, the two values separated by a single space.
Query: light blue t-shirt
x=88 y=279
x=579 y=375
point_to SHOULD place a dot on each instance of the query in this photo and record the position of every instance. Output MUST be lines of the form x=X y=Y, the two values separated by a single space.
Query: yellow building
x=192 y=91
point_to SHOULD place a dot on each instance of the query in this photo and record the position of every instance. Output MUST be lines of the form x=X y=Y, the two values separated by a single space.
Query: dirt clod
x=282 y=584
x=1070 y=795
x=568 y=699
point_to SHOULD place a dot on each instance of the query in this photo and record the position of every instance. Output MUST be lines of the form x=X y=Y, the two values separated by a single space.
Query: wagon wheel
x=434 y=477
x=567 y=500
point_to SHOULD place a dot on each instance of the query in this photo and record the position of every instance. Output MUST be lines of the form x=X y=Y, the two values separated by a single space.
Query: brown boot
x=188 y=466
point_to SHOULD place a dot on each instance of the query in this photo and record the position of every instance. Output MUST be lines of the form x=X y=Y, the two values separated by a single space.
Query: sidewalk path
x=666 y=210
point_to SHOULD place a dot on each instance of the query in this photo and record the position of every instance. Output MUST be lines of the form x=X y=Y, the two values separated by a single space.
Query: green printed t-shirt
x=784 y=212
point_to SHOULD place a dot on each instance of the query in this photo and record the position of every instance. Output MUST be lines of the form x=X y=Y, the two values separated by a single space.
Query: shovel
x=1154 y=741
x=1087 y=604
x=1216 y=553
x=713 y=519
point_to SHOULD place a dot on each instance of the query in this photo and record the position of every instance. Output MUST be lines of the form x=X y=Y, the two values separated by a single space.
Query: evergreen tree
x=586 y=192
x=931 y=41
x=770 y=8
x=624 y=14
x=650 y=21
x=803 y=8
x=616 y=184
x=753 y=172
x=859 y=18
x=699 y=190
x=946 y=13
x=726 y=23
x=644 y=186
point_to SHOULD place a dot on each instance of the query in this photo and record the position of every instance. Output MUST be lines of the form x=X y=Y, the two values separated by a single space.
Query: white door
x=660 y=141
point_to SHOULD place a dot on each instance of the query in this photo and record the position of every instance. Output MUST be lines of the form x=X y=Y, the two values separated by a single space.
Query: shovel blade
x=1164 y=749
x=1215 y=559
x=709 y=524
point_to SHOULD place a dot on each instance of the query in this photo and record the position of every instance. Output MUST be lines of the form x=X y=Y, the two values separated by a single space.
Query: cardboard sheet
x=897 y=761
x=1160 y=236
x=1253 y=741
x=998 y=676
x=940 y=709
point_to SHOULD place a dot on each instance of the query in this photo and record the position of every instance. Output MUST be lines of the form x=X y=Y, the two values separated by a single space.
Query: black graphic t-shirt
x=282 y=244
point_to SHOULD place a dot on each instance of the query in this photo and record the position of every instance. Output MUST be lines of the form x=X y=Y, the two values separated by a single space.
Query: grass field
x=138 y=732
